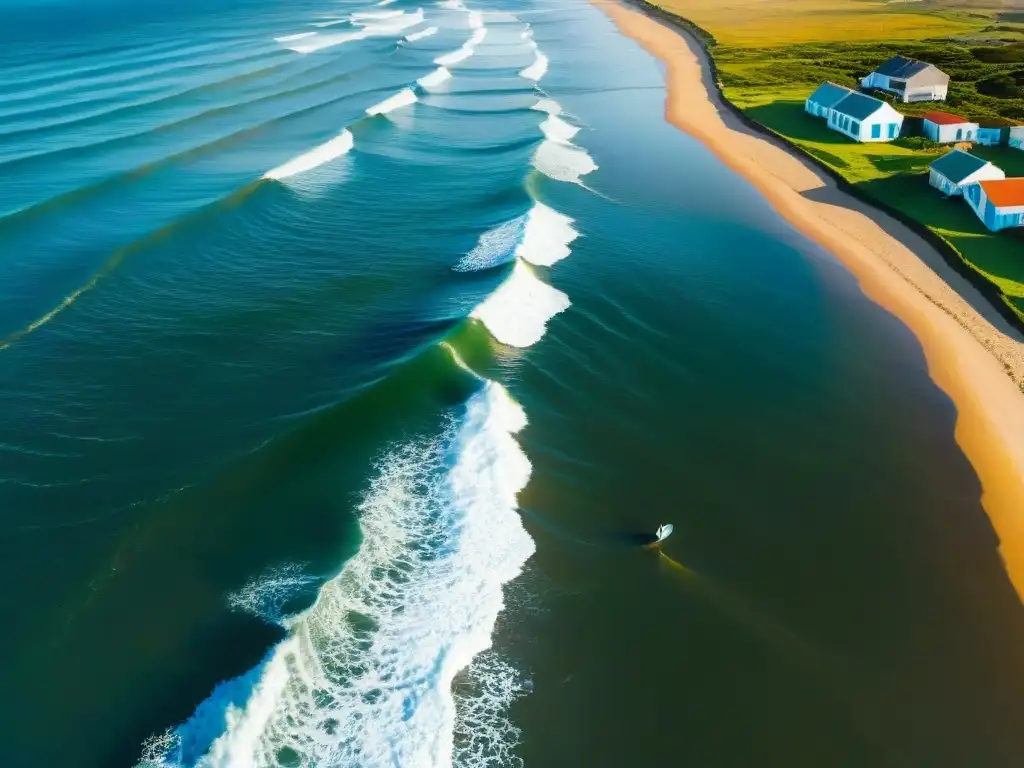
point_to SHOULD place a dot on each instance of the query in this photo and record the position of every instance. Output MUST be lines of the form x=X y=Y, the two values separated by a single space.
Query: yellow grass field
x=764 y=23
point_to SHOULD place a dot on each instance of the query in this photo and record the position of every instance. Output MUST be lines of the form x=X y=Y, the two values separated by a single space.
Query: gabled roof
x=1005 y=193
x=829 y=94
x=901 y=67
x=958 y=165
x=858 y=106
x=945 y=118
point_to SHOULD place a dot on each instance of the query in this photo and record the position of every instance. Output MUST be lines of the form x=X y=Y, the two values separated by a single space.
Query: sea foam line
x=557 y=157
x=463 y=53
x=538 y=69
x=384 y=24
x=364 y=677
x=317 y=156
x=435 y=78
x=411 y=38
x=403 y=98
x=541 y=237
x=517 y=313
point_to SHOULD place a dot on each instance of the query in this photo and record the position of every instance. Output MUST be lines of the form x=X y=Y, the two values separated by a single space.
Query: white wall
x=947 y=134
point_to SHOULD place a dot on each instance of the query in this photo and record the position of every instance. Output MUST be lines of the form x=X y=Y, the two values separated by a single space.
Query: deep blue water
x=327 y=436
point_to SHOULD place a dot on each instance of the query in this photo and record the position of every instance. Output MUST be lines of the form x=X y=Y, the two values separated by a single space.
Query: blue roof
x=958 y=165
x=829 y=94
x=901 y=67
x=858 y=106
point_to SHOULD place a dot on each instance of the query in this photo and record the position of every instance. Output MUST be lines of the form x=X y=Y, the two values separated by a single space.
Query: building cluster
x=997 y=200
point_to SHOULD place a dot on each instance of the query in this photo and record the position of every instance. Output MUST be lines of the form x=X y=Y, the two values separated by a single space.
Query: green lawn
x=896 y=173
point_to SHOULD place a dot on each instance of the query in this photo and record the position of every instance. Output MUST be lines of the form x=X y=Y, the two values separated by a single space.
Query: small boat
x=664 y=531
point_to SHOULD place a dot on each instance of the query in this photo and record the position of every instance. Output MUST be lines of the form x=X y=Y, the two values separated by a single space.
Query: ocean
x=351 y=353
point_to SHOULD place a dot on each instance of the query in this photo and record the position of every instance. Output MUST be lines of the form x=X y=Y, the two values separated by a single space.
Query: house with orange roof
x=946 y=128
x=999 y=203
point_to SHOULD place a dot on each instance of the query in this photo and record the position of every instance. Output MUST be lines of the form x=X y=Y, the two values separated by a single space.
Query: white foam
x=395 y=23
x=364 y=677
x=485 y=736
x=526 y=34
x=296 y=36
x=477 y=37
x=376 y=15
x=435 y=78
x=517 y=313
x=556 y=129
x=452 y=5
x=476 y=20
x=324 y=153
x=403 y=98
x=494 y=247
x=421 y=34
x=321 y=42
x=536 y=70
x=546 y=236
x=550 y=106
x=454 y=57
x=268 y=595
x=331 y=22
x=463 y=53
x=385 y=2
x=563 y=162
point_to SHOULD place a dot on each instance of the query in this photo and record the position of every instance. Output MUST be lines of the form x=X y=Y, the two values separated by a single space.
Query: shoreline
x=972 y=353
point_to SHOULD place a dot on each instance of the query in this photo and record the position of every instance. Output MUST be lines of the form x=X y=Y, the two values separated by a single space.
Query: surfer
x=663 y=532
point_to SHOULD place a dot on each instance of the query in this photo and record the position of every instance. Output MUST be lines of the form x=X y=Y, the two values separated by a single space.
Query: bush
x=1004 y=54
x=1005 y=86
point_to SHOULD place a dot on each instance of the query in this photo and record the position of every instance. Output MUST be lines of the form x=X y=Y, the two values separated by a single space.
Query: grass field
x=783 y=22
x=771 y=54
x=896 y=173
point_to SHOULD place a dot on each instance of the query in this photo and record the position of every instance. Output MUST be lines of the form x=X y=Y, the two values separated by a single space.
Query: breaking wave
x=383 y=24
x=365 y=676
x=546 y=236
x=518 y=312
x=324 y=153
x=403 y=98
x=495 y=247
x=536 y=70
x=541 y=237
x=435 y=78
x=421 y=34
x=463 y=53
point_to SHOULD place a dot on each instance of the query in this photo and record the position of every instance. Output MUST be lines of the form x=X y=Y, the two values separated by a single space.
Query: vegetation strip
x=766 y=89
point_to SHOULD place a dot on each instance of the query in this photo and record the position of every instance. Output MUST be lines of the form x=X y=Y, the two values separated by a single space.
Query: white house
x=909 y=79
x=998 y=203
x=1017 y=137
x=864 y=118
x=825 y=96
x=944 y=128
x=955 y=170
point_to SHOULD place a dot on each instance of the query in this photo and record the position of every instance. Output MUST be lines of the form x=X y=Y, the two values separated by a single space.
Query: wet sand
x=973 y=354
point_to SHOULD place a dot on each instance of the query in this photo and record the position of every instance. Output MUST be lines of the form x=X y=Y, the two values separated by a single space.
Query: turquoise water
x=329 y=437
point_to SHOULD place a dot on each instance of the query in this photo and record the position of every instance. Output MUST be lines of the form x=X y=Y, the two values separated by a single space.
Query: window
x=959 y=134
x=855 y=128
x=970 y=135
x=972 y=193
x=894 y=130
x=846 y=124
x=876 y=131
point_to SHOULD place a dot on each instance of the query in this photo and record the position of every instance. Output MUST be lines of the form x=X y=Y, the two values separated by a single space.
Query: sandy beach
x=972 y=353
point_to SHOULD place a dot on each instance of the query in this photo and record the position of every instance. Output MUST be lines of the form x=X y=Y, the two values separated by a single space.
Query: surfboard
x=664 y=531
